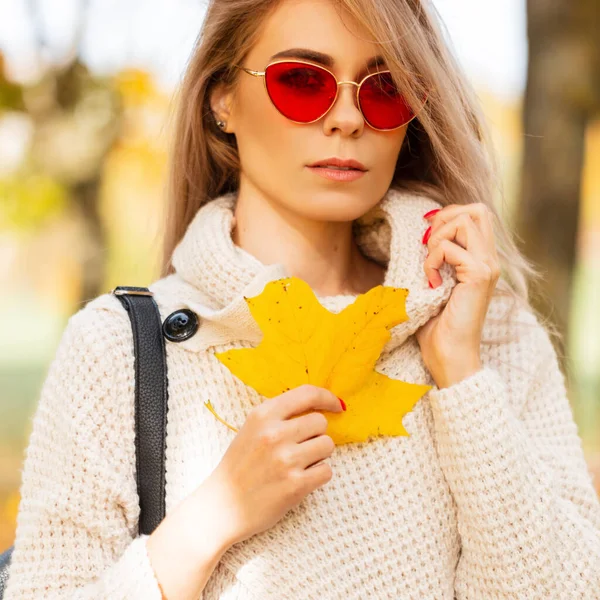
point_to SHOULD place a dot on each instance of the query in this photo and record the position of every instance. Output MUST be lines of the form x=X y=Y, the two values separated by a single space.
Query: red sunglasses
x=304 y=92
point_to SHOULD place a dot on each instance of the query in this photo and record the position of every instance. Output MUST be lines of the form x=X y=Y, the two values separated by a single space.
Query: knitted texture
x=489 y=497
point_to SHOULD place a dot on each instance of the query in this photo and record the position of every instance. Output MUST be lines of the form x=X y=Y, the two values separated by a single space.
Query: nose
x=345 y=115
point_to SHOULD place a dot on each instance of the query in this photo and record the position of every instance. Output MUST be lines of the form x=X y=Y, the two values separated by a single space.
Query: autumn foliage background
x=82 y=169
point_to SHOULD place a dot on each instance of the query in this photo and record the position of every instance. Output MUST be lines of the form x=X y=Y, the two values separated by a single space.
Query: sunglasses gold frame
x=358 y=85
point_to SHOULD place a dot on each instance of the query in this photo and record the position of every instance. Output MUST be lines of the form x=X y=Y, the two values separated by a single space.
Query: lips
x=339 y=163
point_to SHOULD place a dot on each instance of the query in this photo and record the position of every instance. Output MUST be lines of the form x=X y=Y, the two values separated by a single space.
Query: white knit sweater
x=488 y=498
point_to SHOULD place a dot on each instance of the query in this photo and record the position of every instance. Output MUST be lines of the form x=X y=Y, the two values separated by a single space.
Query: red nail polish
x=426 y=235
x=430 y=284
x=431 y=213
x=342 y=403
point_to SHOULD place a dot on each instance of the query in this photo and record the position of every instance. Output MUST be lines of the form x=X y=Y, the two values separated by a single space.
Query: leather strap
x=151 y=402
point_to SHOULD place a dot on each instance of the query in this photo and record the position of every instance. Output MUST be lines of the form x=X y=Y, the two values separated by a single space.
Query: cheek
x=265 y=138
x=386 y=147
x=390 y=148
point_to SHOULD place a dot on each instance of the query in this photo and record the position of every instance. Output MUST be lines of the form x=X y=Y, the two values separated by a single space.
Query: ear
x=221 y=102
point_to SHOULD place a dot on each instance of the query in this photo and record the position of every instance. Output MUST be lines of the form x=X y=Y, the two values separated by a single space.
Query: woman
x=487 y=497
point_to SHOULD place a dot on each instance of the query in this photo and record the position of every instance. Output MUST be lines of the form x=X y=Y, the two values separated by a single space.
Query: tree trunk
x=86 y=196
x=561 y=95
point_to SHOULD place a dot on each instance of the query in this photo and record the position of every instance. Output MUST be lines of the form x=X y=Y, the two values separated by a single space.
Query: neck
x=322 y=253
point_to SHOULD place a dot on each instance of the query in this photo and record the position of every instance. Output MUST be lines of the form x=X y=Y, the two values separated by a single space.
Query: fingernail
x=426 y=235
x=342 y=403
x=431 y=213
x=429 y=284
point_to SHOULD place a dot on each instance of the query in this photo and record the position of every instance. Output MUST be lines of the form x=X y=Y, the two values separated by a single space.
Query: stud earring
x=221 y=124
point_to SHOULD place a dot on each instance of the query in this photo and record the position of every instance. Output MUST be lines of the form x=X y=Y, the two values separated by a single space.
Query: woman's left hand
x=463 y=236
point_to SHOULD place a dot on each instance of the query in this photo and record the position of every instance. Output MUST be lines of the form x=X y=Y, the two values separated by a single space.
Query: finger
x=315 y=476
x=302 y=399
x=482 y=215
x=315 y=450
x=463 y=231
x=305 y=427
x=468 y=267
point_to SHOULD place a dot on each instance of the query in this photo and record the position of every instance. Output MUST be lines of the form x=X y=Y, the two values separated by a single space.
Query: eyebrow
x=320 y=57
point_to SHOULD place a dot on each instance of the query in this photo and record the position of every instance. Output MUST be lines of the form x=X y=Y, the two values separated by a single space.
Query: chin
x=336 y=205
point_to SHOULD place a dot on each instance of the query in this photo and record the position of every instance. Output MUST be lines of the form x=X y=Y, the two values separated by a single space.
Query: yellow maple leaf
x=303 y=342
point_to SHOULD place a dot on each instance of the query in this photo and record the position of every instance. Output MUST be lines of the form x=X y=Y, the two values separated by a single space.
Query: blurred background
x=86 y=90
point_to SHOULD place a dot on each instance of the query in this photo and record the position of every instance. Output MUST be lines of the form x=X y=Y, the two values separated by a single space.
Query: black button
x=180 y=325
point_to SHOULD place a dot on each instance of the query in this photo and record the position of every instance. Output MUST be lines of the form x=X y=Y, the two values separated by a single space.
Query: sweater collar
x=213 y=275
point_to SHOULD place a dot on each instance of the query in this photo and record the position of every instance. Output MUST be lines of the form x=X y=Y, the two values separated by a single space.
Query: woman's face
x=274 y=151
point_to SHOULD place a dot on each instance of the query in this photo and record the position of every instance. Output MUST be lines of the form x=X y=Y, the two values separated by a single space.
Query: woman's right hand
x=274 y=461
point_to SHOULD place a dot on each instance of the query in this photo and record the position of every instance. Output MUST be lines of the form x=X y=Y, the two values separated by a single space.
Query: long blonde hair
x=447 y=154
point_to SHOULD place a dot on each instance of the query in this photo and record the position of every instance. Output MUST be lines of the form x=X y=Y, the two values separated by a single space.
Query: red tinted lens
x=382 y=104
x=299 y=91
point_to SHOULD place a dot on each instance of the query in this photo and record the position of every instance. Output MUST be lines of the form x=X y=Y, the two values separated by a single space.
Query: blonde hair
x=447 y=154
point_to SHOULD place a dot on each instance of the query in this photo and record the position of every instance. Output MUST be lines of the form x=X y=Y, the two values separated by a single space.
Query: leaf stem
x=212 y=410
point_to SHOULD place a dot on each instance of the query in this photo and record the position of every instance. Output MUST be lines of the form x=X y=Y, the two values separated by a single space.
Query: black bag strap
x=151 y=402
